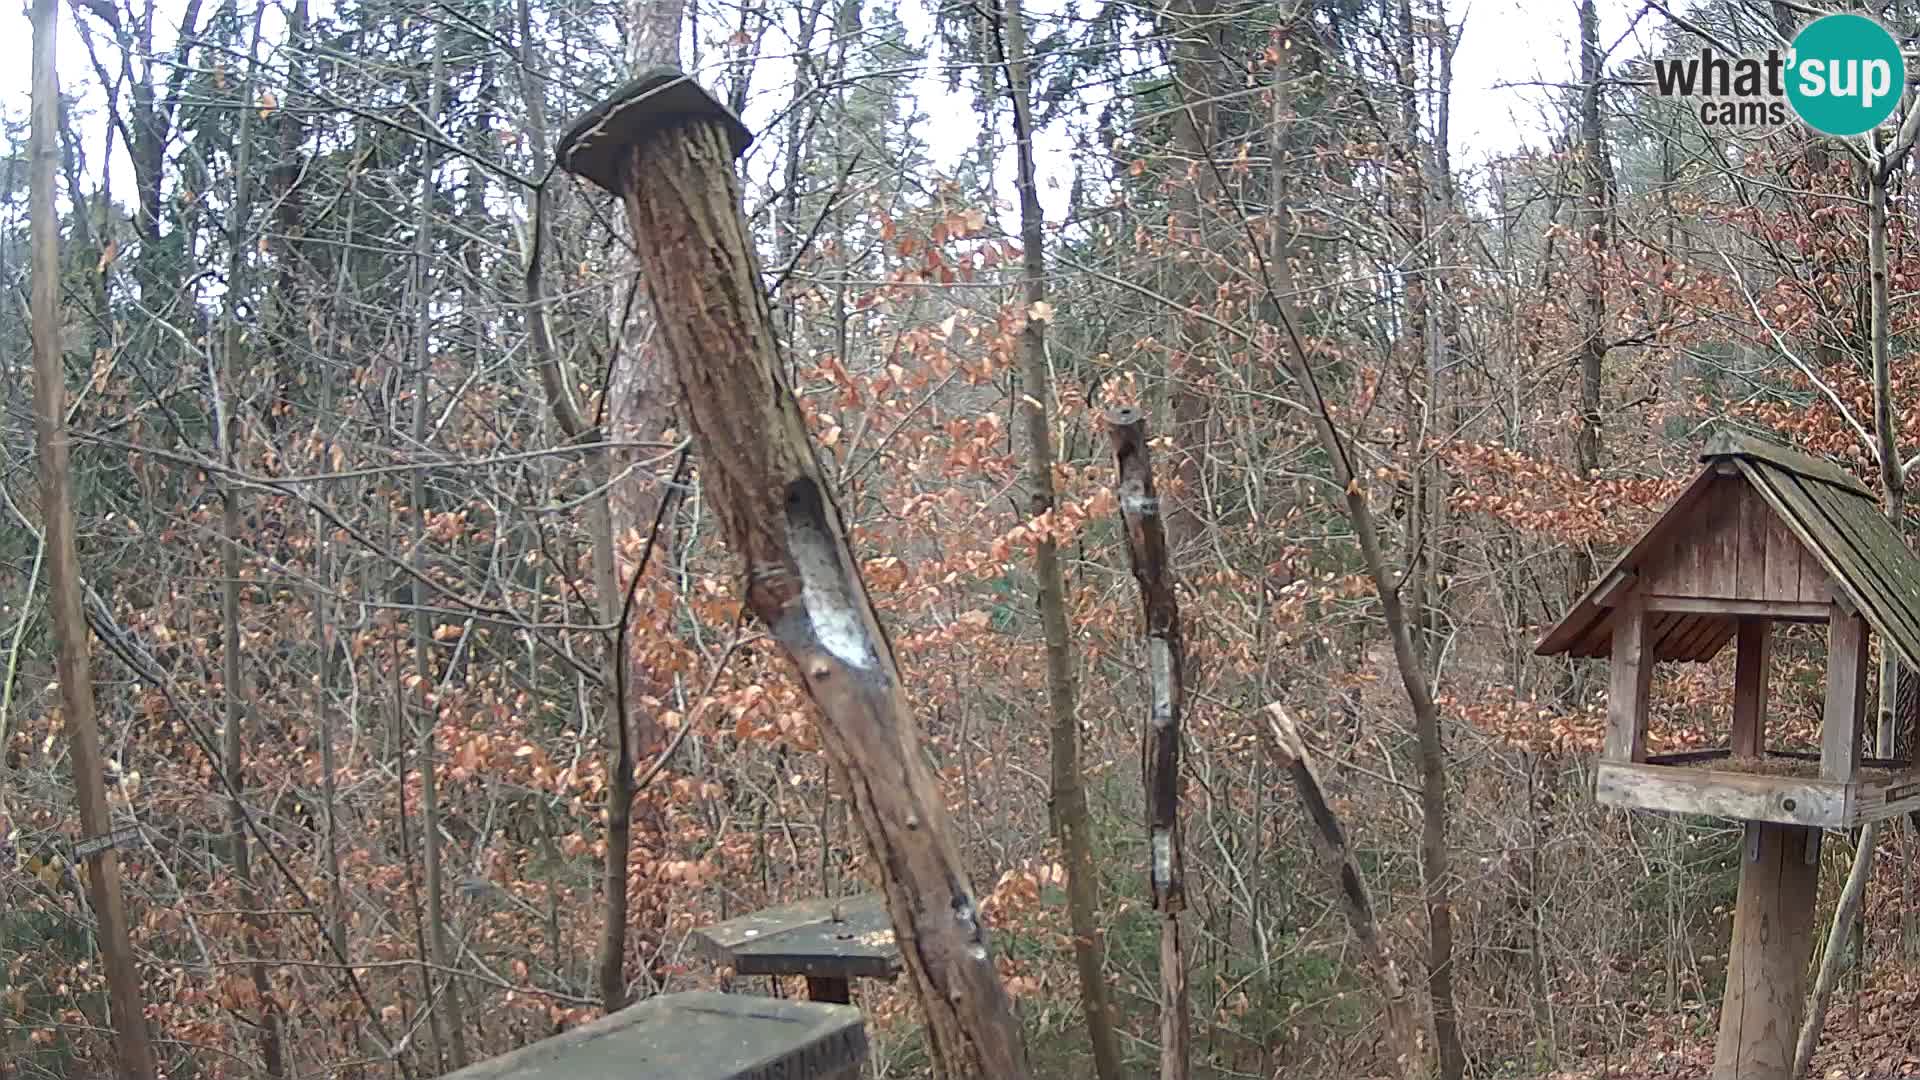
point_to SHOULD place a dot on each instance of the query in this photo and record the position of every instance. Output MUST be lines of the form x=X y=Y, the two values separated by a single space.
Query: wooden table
x=696 y=1036
x=831 y=942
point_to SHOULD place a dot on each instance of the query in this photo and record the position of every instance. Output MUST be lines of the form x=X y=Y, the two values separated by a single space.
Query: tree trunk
x=1596 y=174
x=1291 y=352
x=1893 y=482
x=1160 y=739
x=227 y=429
x=448 y=1003
x=1071 y=820
x=776 y=510
x=63 y=562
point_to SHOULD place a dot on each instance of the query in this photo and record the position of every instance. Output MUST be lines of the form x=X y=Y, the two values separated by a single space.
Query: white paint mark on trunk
x=1160 y=670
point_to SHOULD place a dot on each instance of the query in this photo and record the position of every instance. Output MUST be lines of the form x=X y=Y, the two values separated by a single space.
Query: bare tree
x=63 y=563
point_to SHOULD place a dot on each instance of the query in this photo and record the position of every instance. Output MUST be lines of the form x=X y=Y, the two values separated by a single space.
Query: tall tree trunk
x=228 y=428
x=1880 y=173
x=447 y=1004
x=63 y=570
x=1596 y=174
x=1436 y=878
x=1330 y=838
x=1194 y=29
x=639 y=411
x=1069 y=791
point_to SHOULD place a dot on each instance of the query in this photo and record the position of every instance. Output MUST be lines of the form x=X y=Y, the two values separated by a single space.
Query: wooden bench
x=831 y=942
x=696 y=1036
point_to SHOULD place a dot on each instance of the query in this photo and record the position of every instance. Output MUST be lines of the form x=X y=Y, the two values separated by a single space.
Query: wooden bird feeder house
x=1762 y=535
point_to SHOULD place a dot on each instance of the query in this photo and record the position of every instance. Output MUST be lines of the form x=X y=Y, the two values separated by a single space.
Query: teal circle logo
x=1845 y=74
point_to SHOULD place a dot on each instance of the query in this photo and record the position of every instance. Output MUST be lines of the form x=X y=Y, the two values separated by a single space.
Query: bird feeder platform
x=831 y=942
x=696 y=1036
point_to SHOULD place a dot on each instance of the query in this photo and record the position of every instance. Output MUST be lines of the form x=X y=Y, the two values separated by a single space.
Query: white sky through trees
x=1514 y=56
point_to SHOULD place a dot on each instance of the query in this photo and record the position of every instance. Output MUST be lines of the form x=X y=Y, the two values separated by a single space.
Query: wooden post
x=667 y=149
x=1160 y=738
x=1767 y=964
x=1840 y=725
x=1754 y=640
x=1631 y=674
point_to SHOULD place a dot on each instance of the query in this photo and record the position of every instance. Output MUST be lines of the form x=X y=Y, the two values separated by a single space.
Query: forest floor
x=1870 y=1035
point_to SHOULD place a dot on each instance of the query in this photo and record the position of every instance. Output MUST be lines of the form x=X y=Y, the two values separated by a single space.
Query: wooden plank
x=1740 y=796
x=1752 y=664
x=1720 y=540
x=1844 y=715
x=1771 y=609
x=696 y=1036
x=1753 y=518
x=1891 y=562
x=1578 y=621
x=1629 y=675
x=1784 y=551
x=1767 y=961
x=1719 y=634
x=1698 y=642
x=1884 y=799
x=1874 y=560
x=1811 y=524
x=846 y=938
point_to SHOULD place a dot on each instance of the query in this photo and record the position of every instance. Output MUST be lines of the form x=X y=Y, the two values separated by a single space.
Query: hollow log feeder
x=830 y=942
x=696 y=1036
x=666 y=148
x=1764 y=534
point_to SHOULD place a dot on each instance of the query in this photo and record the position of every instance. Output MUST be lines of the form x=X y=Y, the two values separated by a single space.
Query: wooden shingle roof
x=1836 y=519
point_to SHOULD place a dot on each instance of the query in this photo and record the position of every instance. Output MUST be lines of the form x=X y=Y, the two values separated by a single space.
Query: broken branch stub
x=667 y=149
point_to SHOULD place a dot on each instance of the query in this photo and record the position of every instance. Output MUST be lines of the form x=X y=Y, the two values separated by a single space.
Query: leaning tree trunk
x=1160 y=740
x=129 y=1021
x=667 y=149
x=1403 y=1027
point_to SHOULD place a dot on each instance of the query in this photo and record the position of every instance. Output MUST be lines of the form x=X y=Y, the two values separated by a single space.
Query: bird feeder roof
x=658 y=98
x=1847 y=549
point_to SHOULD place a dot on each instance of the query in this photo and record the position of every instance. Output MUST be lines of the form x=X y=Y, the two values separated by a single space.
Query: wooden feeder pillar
x=1763 y=535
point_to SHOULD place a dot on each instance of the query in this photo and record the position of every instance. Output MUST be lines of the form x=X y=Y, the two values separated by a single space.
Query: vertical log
x=1840 y=724
x=1766 y=972
x=1631 y=672
x=1160 y=739
x=667 y=148
x=1067 y=784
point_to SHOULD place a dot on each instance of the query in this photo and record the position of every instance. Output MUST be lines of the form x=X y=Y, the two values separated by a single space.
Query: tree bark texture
x=771 y=497
x=1072 y=822
x=63 y=561
x=1767 y=966
x=1160 y=739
